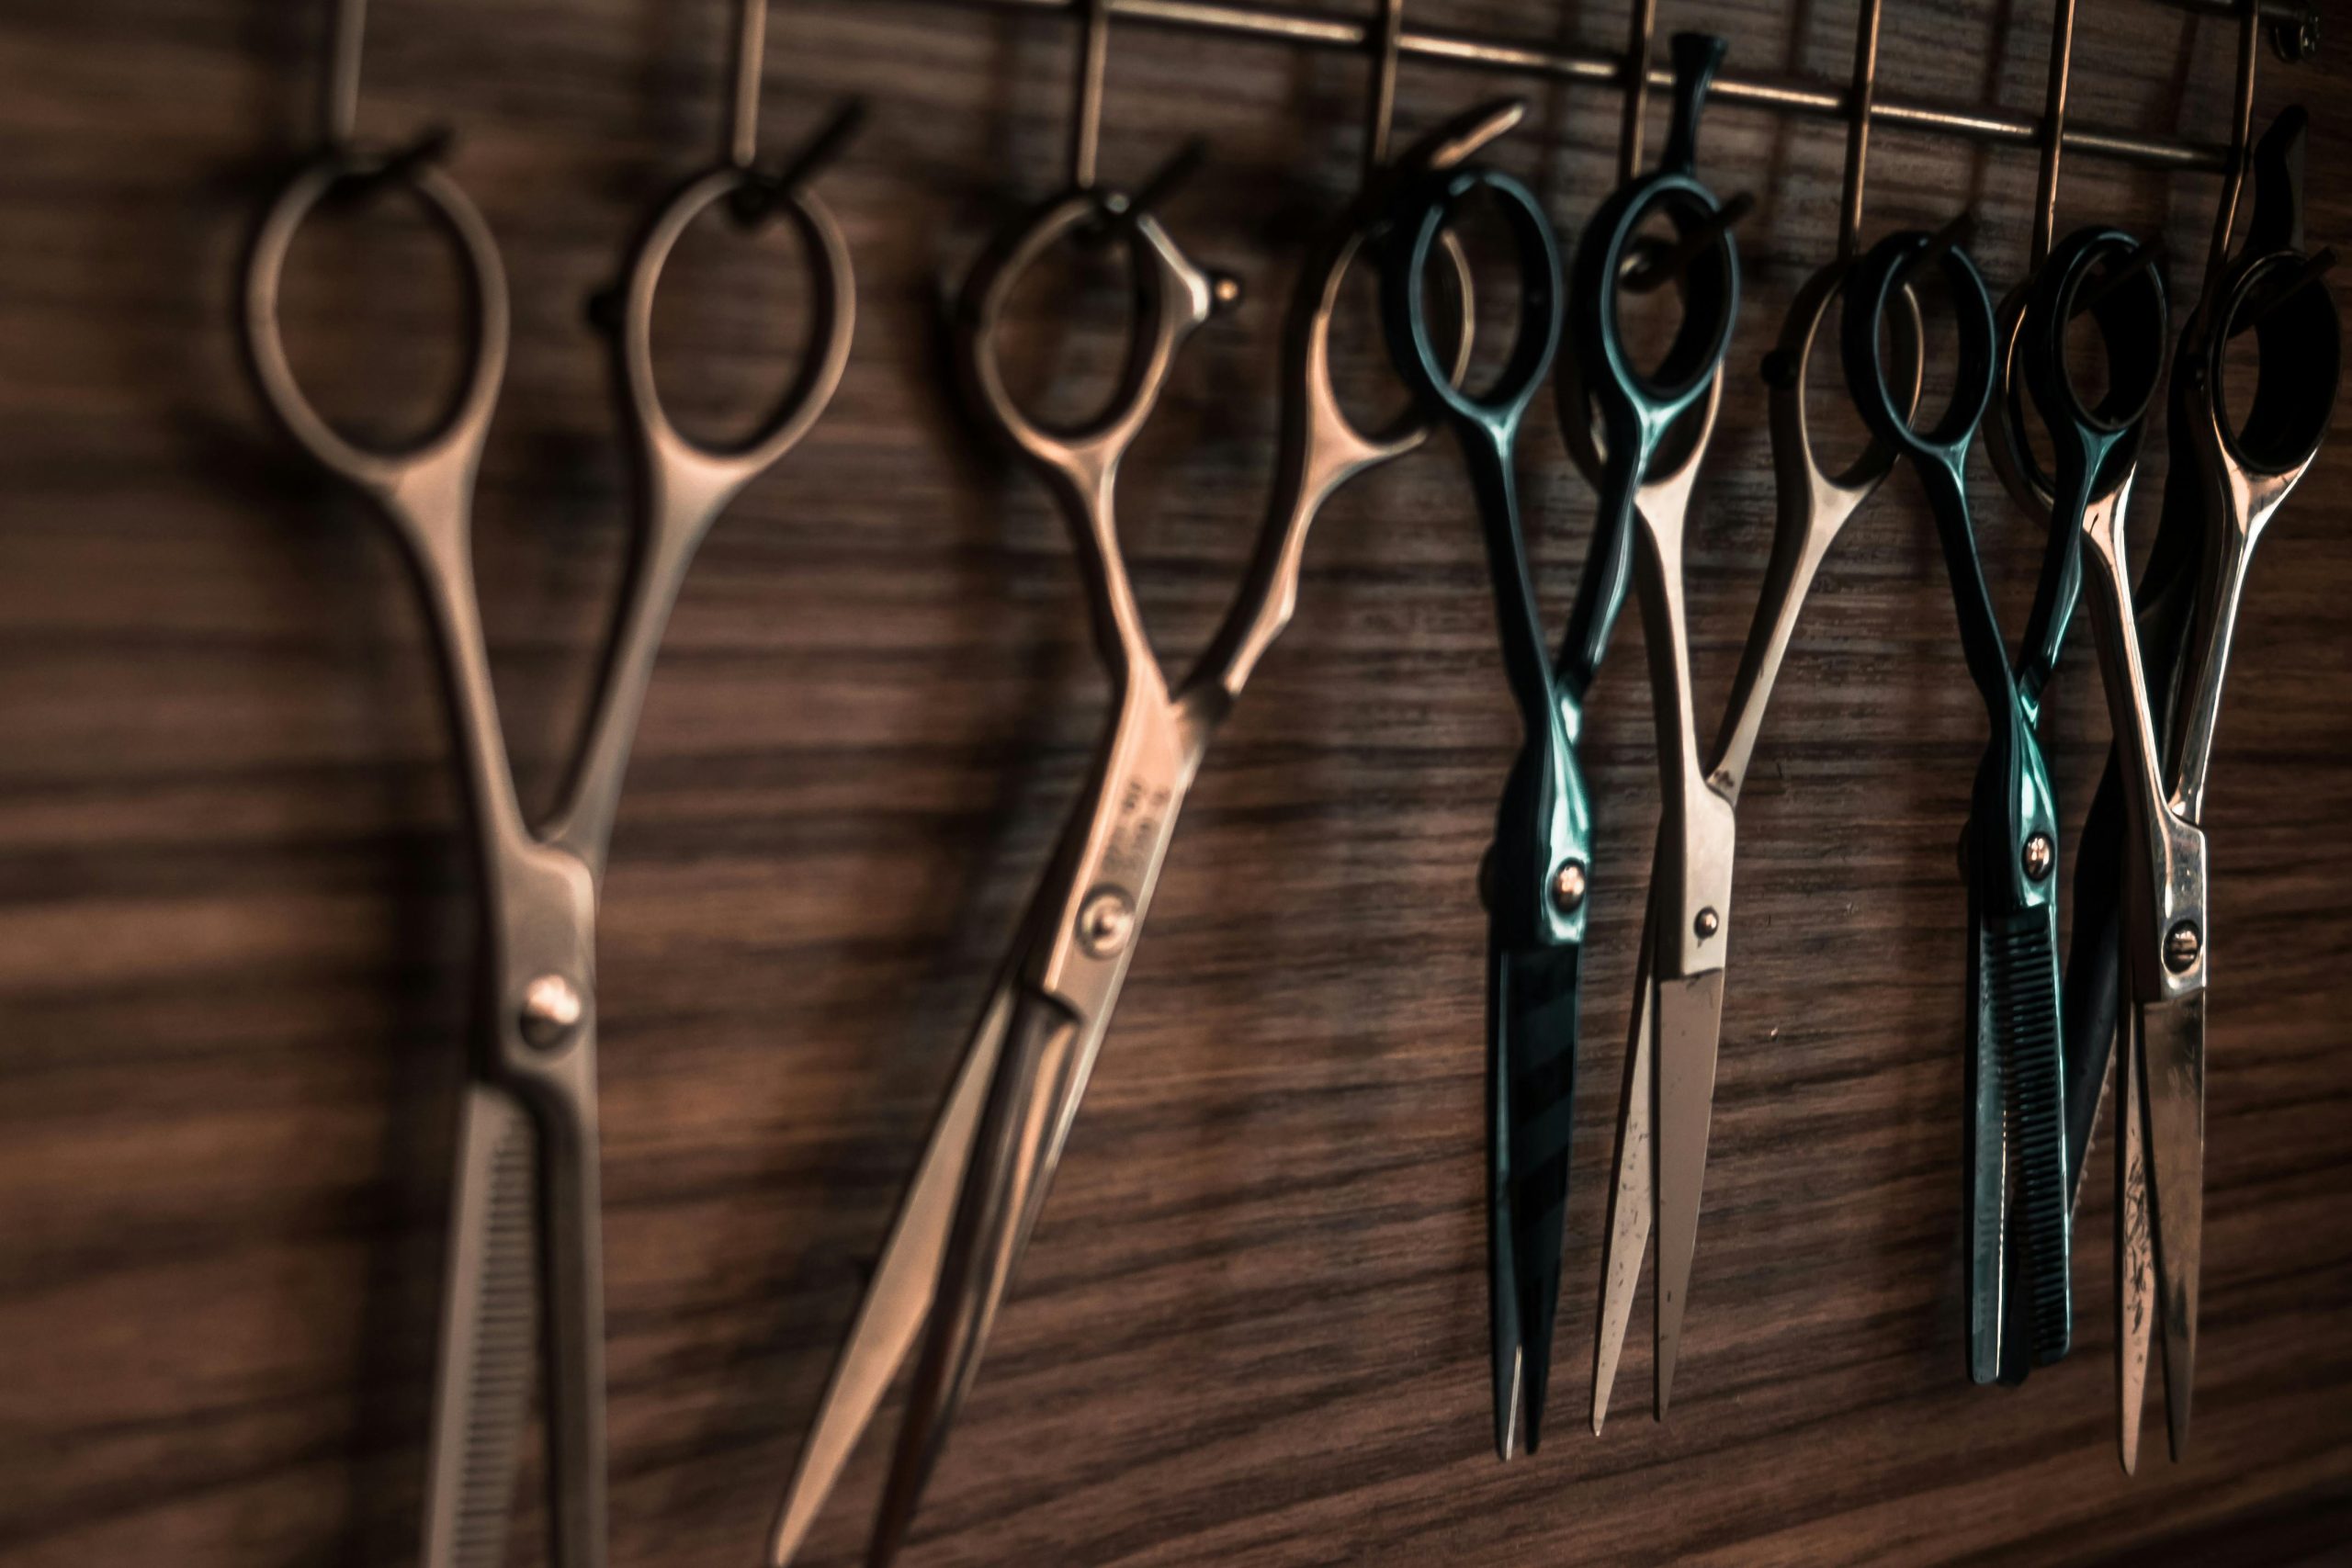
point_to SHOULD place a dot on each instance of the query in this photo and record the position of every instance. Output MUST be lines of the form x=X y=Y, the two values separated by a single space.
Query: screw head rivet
x=1569 y=886
x=1105 y=921
x=551 y=1010
x=2182 y=947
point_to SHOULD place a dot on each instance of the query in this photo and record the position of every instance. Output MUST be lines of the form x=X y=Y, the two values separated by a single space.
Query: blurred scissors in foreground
x=1814 y=505
x=982 y=1180
x=524 y=1249
x=2228 y=479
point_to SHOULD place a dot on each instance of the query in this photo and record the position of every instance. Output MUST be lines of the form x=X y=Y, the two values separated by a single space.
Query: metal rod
x=1863 y=96
x=1511 y=57
x=1635 y=72
x=1093 y=63
x=2053 y=128
x=339 y=104
x=2241 y=137
x=1381 y=113
x=751 y=59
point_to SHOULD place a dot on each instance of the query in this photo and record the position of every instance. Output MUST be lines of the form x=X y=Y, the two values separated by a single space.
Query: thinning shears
x=1696 y=837
x=982 y=1179
x=525 y=1254
x=2231 y=478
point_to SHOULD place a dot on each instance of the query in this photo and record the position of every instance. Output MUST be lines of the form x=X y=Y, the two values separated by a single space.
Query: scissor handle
x=442 y=463
x=1943 y=447
x=1321 y=450
x=1487 y=425
x=1813 y=505
x=1173 y=299
x=677 y=462
x=1426 y=214
x=1638 y=408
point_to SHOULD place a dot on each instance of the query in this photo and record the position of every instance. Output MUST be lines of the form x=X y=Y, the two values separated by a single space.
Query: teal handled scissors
x=1533 y=880
x=2239 y=474
x=524 y=1241
x=966 y=1218
x=1814 y=505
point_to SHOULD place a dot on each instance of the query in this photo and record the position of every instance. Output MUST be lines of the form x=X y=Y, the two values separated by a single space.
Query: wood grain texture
x=236 y=925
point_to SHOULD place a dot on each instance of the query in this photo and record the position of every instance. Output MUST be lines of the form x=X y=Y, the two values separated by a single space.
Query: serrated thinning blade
x=489 y=1330
x=1535 y=1095
x=1689 y=1025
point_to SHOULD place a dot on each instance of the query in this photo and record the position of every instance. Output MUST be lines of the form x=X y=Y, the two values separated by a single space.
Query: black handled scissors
x=2013 y=1074
x=2239 y=475
x=1533 y=881
x=524 y=1249
x=966 y=1218
x=1641 y=435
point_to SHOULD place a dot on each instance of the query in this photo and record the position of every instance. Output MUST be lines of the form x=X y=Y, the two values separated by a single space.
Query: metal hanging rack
x=2293 y=26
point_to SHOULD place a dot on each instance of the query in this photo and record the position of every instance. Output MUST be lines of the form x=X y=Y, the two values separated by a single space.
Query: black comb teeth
x=2022 y=983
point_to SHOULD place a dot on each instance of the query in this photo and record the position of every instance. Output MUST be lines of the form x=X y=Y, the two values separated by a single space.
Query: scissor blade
x=1001 y=1185
x=1690 y=1024
x=1631 y=1202
x=1988 y=1159
x=2135 y=1263
x=899 y=1299
x=2172 y=1060
x=1532 y=1067
x=2023 y=981
x=489 y=1325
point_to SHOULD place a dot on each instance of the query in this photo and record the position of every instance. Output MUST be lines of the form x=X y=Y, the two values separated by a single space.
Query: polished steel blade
x=1988 y=1159
x=1534 y=1074
x=1003 y=1181
x=2135 y=1262
x=1631 y=1200
x=1690 y=1024
x=2172 y=1060
x=899 y=1299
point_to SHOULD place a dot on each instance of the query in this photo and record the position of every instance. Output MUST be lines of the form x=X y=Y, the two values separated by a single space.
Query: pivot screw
x=1567 y=887
x=2297 y=39
x=2039 y=854
x=551 y=1010
x=1708 y=923
x=1105 y=921
x=2182 y=945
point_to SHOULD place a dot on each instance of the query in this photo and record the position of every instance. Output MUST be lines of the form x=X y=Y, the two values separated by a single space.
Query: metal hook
x=1859 y=102
x=1387 y=41
x=1086 y=111
x=1637 y=86
x=2241 y=140
x=2053 y=129
x=743 y=148
x=339 y=103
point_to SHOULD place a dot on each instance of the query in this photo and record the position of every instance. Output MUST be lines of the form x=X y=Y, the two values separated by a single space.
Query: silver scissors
x=1642 y=436
x=2239 y=473
x=982 y=1179
x=1814 y=506
x=524 y=1260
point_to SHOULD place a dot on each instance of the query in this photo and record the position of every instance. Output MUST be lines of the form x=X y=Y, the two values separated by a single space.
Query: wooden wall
x=236 y=920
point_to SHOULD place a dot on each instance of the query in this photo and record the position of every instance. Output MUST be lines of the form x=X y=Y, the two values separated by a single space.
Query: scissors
x=2163 y=607
x=1534 y=880
x=524 y=1249
x=965 y=1219
x=1696 y=837
x=2241 y=474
